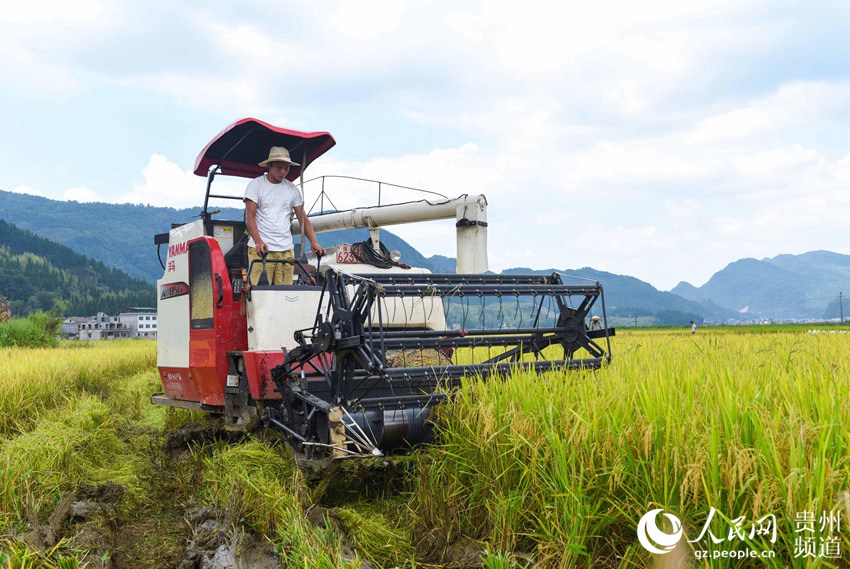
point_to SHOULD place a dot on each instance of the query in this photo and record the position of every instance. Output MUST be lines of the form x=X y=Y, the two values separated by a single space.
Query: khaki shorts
x=278 y=273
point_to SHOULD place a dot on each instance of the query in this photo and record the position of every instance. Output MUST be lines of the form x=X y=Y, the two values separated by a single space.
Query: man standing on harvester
x=269 y=202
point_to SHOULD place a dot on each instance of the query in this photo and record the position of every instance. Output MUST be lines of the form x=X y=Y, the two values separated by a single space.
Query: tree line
x=37 y=274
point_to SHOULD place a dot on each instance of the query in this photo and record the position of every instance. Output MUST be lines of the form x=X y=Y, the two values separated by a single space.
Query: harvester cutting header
x=350 y=358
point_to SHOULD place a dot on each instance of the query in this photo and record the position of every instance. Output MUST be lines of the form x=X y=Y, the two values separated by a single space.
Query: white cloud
x=36 y=38
x=666 y=52
x=720 y=183
x=842 y=171
x=164 y=183
x=22 y=70
x=628 y=162
x=541 y=37
x=662 y=138
x=558 y=217
x=80 y=195
x=687 y=208
x=367 y=19
x=627 y=96
x=40 y=11
x=250 y=42
x=28 y=190
x=732 y=227
x=777 y=162
x=256 y=47
x=200 y=91
x=739 y=123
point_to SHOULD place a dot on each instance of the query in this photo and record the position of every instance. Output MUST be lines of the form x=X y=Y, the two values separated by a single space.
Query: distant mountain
x=38 y=274
x=786 y=286
x=443 y=264
x=687 y=290
x=838 y=308
x=630 y=298
x=119 y=236
x=823 y=273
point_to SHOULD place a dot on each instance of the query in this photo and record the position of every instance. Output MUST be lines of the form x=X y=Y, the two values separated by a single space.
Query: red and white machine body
x=202 y=319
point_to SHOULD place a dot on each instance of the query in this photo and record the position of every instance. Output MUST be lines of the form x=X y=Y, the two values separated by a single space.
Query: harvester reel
x=352 y=370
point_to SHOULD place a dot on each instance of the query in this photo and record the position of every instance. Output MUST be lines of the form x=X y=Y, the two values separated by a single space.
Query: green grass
x=38 y=330
x=381 y=540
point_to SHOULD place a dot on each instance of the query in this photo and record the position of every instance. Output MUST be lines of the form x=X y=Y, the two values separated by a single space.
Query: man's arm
x=308 y=230
x=251 y=222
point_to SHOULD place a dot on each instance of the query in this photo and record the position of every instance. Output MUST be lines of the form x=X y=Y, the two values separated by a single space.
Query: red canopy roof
x=240 y=147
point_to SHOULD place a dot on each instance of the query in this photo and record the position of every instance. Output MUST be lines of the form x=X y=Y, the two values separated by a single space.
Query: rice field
x=34 y=380
x=739 y=437
x=751 y=425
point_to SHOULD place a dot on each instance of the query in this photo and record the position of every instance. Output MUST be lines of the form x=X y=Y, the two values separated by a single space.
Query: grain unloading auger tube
x=385 y=348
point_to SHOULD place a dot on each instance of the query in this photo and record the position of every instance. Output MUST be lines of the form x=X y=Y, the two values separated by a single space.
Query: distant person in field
x=270 y=201
x=693 y=327
x=595 y=323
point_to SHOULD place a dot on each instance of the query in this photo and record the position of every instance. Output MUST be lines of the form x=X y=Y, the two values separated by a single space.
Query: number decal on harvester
x=345 y=255
x=173 y=290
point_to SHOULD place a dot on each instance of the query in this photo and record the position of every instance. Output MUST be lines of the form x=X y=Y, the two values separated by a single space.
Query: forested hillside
x=121 y=235
x=38 y=274
x=117 y=235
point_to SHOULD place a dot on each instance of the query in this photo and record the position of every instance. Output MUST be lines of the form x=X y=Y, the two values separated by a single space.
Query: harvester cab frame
x=351 y=359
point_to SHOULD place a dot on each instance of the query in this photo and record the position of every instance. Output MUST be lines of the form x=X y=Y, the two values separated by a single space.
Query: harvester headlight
x=395 y=256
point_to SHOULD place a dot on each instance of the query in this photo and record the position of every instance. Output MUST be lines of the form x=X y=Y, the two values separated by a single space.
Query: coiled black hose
x=365 y=252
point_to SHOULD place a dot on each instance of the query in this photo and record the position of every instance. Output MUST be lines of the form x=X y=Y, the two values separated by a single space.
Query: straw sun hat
x=278 y=154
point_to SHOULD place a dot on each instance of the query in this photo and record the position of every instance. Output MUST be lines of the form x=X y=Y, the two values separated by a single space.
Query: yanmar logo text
x=178 y=249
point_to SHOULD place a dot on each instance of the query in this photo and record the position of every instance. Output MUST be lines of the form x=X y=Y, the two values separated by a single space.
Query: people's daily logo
x=653 y=538
x=816 y=535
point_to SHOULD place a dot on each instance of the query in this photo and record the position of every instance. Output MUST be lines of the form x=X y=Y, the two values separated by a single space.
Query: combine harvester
x=351 y=358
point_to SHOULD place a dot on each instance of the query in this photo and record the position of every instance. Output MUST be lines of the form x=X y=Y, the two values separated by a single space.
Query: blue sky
x=660 y=139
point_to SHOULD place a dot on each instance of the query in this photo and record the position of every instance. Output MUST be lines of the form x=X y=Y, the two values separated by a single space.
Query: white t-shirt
x=275 y=204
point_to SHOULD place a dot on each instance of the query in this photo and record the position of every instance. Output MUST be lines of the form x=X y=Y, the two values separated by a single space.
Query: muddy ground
x=91 y=520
